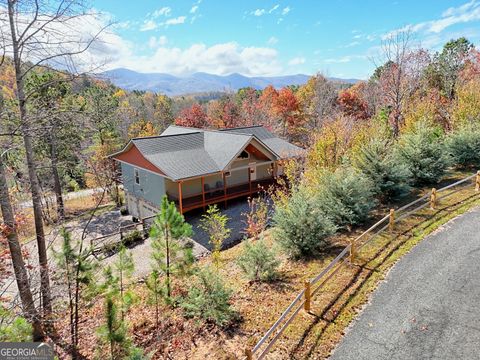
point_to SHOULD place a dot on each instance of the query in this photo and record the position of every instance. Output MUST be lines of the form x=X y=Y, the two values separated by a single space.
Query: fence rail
x=347 y=255
x=99 y=243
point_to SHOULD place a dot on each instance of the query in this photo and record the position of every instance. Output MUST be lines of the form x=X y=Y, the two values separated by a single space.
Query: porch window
x=137 y=176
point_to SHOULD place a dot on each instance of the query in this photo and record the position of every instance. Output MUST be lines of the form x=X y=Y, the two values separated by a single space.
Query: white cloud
x=465 y=13
x=343 y=59
x=272 y=41
x=175 y=21
x=148 y=25
x=286 y=10
x=274 y=8
x=194 y=9
x=297 y=61
x=112 y=50
x=459 y=10
x=352 y=44
x=258 y=12
x=155 y=42
x=221 y=59
x=164 y=11
x=346 y=59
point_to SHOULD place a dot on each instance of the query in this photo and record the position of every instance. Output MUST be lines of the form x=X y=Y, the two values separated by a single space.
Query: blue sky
x=336 y=37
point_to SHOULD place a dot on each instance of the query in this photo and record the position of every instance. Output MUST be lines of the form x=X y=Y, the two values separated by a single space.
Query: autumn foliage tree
x=351 y=104
x=193 y=116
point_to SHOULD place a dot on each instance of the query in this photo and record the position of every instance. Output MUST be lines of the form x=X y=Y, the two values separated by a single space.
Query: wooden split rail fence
x=304 y=299
x=99 y=243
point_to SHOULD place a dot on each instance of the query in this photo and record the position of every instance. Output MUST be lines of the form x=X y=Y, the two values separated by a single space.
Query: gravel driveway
x=141 y=252
x=427 y=307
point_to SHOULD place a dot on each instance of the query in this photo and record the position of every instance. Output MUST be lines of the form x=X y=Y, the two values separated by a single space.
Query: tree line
x=57 y=127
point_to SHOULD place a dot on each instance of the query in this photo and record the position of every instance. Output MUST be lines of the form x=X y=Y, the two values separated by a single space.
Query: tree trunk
x=57 y=186
x=21 y=275
x=34 y=185
x=168 y=263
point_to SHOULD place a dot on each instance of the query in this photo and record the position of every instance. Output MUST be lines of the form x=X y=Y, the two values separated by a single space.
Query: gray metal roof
x=281 y=147
x=182 y=152
x=178 y=156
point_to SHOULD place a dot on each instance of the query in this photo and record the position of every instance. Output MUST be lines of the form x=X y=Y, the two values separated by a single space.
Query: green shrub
x=258 y=261
x=345 y=196
x=423 y=152
x=123 y=211
x=300 y=227
x=13 y=327
x=209 y=299
x=132 y=238
x=389 y=178
x=463 y=147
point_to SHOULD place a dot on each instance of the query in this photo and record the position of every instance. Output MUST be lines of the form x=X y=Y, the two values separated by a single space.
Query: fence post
x=477 y=181
x=144 y=229
x=353 y=251
x=433 y=199
x=308 y=296
x=249 y=354
x=391 y=221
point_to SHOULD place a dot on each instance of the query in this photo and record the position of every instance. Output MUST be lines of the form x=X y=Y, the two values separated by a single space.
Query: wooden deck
x=222 y=195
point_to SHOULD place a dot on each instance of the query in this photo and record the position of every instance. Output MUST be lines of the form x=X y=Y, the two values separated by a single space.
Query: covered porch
x=220 y=187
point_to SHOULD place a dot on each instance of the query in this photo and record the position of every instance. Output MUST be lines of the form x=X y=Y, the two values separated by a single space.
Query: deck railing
x=347 y=255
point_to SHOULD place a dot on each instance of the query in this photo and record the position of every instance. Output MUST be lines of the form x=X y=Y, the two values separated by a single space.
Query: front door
x=253 y=171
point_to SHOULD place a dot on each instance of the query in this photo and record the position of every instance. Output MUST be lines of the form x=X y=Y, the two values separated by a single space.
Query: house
x=197 y=167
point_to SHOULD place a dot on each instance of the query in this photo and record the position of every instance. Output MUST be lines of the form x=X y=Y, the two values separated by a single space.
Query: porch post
x=225 y=189
x=180 y=201
x=203 y=192
x=250 y=180
x=274 y=169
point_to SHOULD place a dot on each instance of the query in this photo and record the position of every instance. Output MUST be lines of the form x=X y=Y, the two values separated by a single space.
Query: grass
x=315 y=334
x=75 y=209
x=310 y=335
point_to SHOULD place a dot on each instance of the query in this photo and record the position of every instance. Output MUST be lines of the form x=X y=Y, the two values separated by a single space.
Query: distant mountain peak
x=198 y=82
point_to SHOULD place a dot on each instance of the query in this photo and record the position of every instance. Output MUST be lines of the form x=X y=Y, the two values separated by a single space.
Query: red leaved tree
x=193 y=116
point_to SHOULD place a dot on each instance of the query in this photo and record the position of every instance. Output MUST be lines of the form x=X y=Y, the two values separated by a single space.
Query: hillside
x=199 y=82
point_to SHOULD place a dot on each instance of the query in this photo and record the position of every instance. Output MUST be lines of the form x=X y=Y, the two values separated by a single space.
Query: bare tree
x=41 y=33
x=319 y=99
x=21 y=275
x=400 y=72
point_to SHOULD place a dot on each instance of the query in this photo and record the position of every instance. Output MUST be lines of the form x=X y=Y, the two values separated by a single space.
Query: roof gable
x=132 y=155
x=181 y=153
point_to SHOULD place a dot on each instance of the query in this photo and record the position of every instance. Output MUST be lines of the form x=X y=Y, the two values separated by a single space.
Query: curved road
x=428 y=307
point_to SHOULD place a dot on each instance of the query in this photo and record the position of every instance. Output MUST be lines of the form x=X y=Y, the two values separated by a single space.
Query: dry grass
x=314 y=335
x=310 y=336
x=75 y=209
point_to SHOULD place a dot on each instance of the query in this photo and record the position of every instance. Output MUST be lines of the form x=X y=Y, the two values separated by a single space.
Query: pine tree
x=154 y=285
x=215 y=225
x=76 y=271
x=171 y=254
x=124 y=268
x=114 y=331
x=389 y=178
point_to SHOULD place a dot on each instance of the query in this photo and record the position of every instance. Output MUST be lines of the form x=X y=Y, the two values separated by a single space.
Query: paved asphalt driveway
x=429 y=305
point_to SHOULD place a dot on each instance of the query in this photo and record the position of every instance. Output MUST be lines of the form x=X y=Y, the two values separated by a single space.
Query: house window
x=137 y=176
x=227 y=174
x=244 y=155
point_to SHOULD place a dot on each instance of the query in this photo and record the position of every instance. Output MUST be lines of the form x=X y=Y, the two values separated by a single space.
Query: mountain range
x=199 y=82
